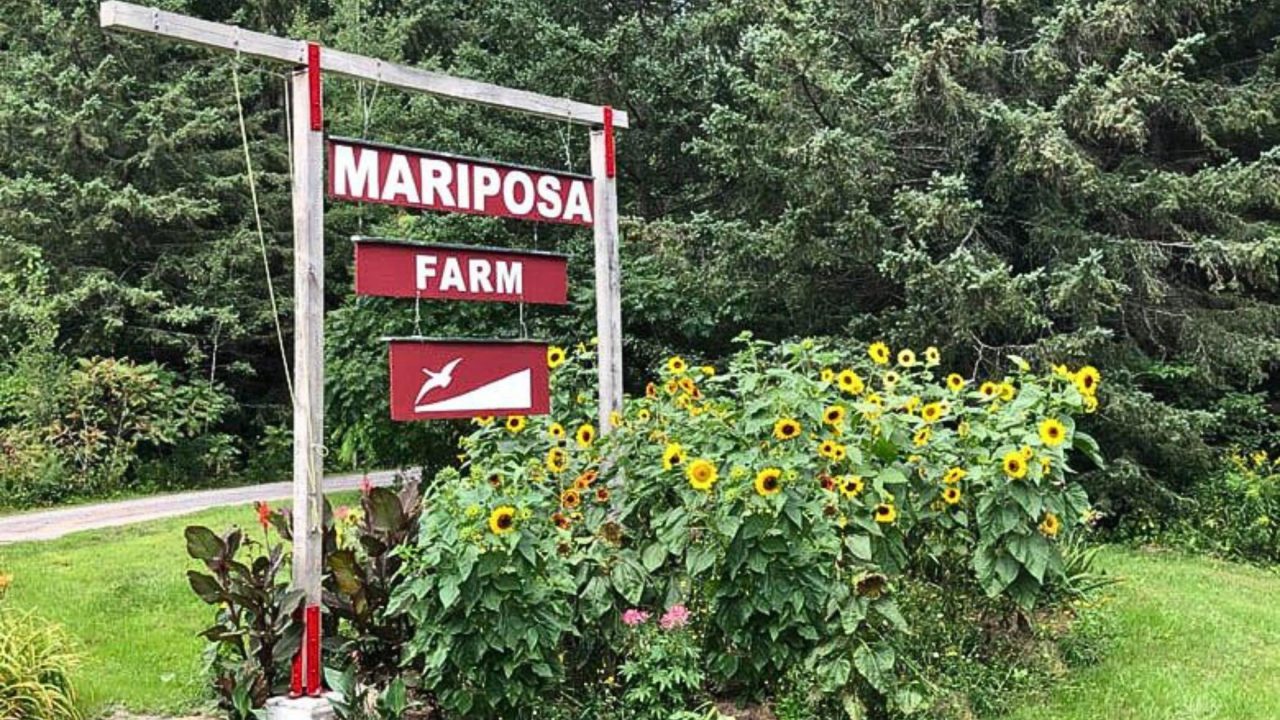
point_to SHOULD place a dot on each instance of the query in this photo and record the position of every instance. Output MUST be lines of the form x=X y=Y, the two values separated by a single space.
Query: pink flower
x=366 y=486
x=634 y=617
x=676 y=617
x=342 y=512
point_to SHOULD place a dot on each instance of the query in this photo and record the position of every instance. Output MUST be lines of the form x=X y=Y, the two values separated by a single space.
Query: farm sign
x=454 y=378
x=396 y=268
x=391 y=175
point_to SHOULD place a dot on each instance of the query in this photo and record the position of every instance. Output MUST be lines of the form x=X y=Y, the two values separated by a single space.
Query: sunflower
x=1015 y=466
x=922 y=437
x=502 y=520
x=911 y=404
x=570 y=498
x=951 y=495
x=851 y=485
x=1027 y=453
x=555 y=357
x=676 y=365
x=879 y=353
x=988 y=390
x=827 y=448
x=615 y=419
x=686 y=385
x=932 y=412
x=833 y=415
x=516 y=423
x=1007 y=391
x=886 y=513
x=768 y=481
x=1090 y=404
x=1050 y=525
x=556 y=431
x=839 y=453
x=557 y=459
x=931 y=356
x=671 y=386
x=651 y=391
x=1087 y=379
x=907 y=358
x=954 y=476
x=584 y=481
x=702 y=474
x=585 y=435
x=672 y=456
x=786 y=429
x=827 y=375
x=849 y=381
x=1052 y=432
x=1046 y=463
x=1061 y=371
x=643 y=415
x=708 y=370
x=483 y=420
x=955 y=383
x=602 y=495
x=827 y=482
x=890 y=380
x=561 y=520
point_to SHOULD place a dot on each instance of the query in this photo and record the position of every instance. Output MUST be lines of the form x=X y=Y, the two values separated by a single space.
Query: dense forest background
x=1064 y=180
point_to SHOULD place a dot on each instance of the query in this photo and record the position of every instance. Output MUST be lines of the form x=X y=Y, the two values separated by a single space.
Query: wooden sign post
x=307 y=140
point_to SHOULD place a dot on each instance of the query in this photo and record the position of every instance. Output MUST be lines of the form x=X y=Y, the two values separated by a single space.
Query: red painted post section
x=295 y=679
x=315 y=686
x=610 y=167
x=457 y=378
x=313 y=77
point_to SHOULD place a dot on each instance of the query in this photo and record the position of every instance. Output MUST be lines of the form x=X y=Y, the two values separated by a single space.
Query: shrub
x=36 y=661
x=783 y=502
x=1234 y=512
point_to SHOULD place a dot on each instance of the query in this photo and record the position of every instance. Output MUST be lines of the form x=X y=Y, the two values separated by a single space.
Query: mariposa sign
x=387 y=174
x=397 y=268
x=456 y=378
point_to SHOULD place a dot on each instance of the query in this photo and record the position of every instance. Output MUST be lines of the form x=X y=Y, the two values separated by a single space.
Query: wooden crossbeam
x=118 y=15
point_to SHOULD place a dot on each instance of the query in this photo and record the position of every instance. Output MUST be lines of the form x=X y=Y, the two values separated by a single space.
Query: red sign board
x=395 y=268
x=375 y=173
x=449 y=378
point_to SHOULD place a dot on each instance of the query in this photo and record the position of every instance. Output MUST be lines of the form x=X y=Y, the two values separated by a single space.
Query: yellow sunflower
x=643 y=415
x=516 y=423
x=651 y=391
x=672 y=456
x=851 y=485
x=951 y=495
x=839 y=453
x=827 y=375
x=555 y=357
x=786 y=429
x=702 y=474
x=557 y=459
x=989 y=390
x=1027 y=453
x=922 y=437
x=686 y=385
x=833 y=415
x=708 y=370
x=955 y=383
x=1015 y=466
x=769 y=481
x=953 y=476
x=1090 y=404
x=676 y=365
x=886 y=513
x=850 y=382
x=906 y=358
x=483 y=420
x=615 y=419
x=570 y=498
x=827 y=448
x=556 y=431
x=931 y=356
x=1052 y=432
x=585 y=435
x=933 y=412
x=671 y=386
x=1050 y=525
x=502 y=520
x=890 y=380
x=879 y=353
x=1007 y=391
x=1087 y=379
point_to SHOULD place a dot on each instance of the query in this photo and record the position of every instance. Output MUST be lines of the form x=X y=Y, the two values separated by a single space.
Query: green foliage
x=1233 y=512
x=662 y=673
x=782 y=500
x=255 y=632
x=36 y=662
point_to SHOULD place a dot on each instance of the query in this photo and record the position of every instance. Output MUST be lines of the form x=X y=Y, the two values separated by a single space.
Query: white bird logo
x=435 y=380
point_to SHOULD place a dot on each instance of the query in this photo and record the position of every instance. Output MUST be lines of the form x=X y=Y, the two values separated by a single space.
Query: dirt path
x=50 y=524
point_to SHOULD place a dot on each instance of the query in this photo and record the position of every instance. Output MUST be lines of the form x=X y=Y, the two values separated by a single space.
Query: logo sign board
x=386 y=174
x=395 y=268
x=453 y=378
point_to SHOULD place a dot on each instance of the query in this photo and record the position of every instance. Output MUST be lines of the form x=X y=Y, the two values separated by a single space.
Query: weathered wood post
x=608 y=270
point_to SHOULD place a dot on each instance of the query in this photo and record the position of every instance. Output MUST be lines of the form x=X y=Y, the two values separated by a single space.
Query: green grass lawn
x=123 y=593
x=1193 y=639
